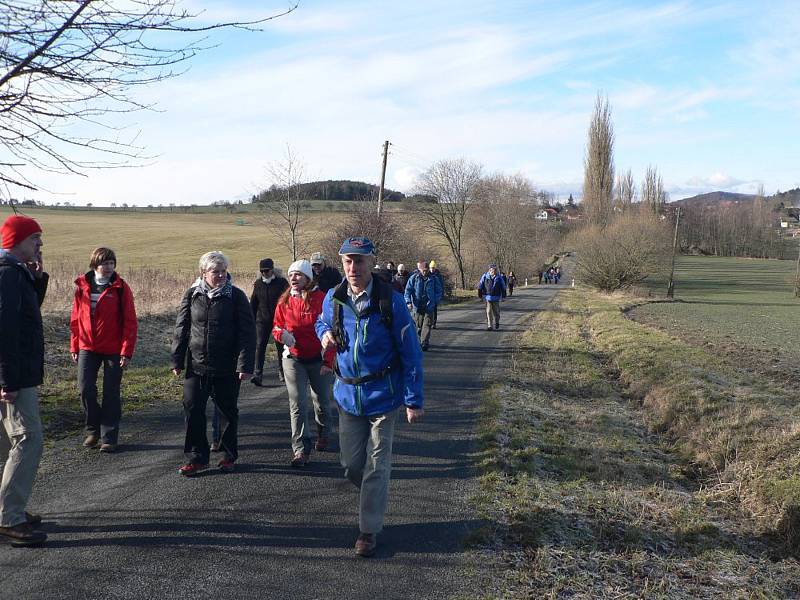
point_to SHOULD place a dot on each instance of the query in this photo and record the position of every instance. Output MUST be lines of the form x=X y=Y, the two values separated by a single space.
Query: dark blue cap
x=357 y=245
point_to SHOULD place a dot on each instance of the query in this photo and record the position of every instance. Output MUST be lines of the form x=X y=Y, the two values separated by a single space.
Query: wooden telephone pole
x=383 y=176
x=671 y=286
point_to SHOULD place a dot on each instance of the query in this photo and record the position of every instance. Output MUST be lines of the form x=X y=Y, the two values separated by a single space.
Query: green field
x=739 y=306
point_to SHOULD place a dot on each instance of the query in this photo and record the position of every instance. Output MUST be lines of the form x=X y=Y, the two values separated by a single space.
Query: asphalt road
x=128 y=526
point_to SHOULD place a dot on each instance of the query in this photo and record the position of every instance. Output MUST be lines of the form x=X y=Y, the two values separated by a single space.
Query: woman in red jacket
x=103 y=332
x=303 y=363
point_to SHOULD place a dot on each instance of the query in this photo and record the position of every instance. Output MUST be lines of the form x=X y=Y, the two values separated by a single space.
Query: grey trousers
x=298 y=377
x=493 y=313
x=21 y=445
x=366 y=455
x=102 y=419
x=424 y=323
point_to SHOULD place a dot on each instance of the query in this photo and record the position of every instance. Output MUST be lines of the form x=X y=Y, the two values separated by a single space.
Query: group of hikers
x=348 y=337
x=551 y=274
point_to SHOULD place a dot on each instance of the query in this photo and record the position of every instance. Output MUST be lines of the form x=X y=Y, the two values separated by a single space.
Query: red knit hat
x=16 y=229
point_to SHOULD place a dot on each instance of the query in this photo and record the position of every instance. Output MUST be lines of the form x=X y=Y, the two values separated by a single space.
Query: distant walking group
x=342 y=336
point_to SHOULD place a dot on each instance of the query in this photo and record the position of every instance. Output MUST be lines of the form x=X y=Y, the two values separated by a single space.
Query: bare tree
x=598 y=172
x=454 y=184
x=624 y=192
x=506 y=209
x=653 y=194
x=624 y=253
x=286 y=200
x=64 y=64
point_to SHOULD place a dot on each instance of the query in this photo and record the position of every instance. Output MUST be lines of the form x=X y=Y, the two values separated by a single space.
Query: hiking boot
x=108 y=448
x=489 y=328
x=256 y=381
x=216 y=446
x=91 y=441
x=366 y=544
x=33 y=519
x=300 y=459
x=424 y=347
x=226 y=465
x=192 y=469
x=23 y=535
x=322 y=443
x=497 y=326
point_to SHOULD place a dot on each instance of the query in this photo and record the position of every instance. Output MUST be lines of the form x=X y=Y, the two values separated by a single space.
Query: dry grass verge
x=585 y=498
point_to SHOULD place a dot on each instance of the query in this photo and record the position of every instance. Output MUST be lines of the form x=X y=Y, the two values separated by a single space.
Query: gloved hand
x=287 y=339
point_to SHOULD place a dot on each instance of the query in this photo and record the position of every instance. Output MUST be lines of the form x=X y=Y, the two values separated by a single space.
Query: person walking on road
x=23 y=284
x=512 y=281
x=492 y=288
x=325 y=276
x=378 y=370
x=215 y=343
x=438 y=274
x=267 y=289
x=103 y=329
x=423 y=293
x=303 y=364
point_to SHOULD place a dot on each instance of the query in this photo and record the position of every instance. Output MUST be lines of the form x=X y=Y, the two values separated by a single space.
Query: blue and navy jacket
x=418 y=287
x=492 y=289
x=368 y=347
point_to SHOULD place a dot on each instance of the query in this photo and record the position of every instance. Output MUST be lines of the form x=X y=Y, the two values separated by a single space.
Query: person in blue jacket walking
x=378 y=369
x=492 y=288
x=423 y=294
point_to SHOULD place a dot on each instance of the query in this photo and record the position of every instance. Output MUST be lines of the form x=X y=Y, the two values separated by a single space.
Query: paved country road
x=128 y=526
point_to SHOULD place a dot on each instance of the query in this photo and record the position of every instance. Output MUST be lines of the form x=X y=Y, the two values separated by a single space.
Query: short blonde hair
x=211 y=259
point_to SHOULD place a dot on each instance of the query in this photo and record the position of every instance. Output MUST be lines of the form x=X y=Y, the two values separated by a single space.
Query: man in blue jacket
x=378 y=370
x=492 y=288
x=423 y=294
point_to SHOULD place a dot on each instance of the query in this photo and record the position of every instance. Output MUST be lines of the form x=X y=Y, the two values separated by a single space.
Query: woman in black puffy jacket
x=215 y=343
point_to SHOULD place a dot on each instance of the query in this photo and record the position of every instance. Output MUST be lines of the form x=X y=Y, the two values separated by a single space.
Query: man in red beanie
x=22 y=287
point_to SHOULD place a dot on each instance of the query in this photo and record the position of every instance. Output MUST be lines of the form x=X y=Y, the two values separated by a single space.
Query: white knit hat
x=301 y=266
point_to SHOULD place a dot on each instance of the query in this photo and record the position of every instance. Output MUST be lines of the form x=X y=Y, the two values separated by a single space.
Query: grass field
x=743 y=308
x=623 y=462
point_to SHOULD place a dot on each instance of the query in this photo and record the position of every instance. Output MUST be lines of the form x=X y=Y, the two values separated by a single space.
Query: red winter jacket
x=114 y=327
x=294 y=318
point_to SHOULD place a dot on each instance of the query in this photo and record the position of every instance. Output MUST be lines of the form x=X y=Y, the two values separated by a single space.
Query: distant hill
x=334 y=190
x=721 y=199
x=714 y=199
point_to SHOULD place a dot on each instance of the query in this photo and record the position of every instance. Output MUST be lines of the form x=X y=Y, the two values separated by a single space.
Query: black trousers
x=263 y=336
x=224 y=391
x=103 y=419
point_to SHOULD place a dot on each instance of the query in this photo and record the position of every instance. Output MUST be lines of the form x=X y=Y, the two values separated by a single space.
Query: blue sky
x=707 y=92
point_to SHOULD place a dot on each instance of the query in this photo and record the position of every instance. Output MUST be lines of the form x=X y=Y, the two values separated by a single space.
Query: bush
x=622 y=254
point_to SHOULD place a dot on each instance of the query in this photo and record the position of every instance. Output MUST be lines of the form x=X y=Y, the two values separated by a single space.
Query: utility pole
x=383 y=176
x=671 y=286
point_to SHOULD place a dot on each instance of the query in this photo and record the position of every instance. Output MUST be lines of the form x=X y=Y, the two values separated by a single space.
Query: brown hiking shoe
x=91 y=441
x=366 y=544
x=23 y=535
x=300 y=459
x=321 y=444
x=104 y=447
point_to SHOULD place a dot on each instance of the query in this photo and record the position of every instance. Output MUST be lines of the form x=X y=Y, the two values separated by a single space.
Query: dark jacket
x=21 y=332
x=265 y=297
x=214 y=336
x=329 y=278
